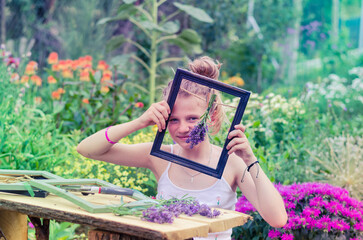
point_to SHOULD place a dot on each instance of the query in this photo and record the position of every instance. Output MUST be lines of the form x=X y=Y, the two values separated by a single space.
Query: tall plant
x=158 y=28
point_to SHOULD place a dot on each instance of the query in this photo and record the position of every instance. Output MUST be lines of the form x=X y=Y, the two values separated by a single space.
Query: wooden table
x=14 y=210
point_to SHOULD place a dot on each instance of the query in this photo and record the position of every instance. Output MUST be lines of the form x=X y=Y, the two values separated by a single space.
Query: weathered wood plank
x=54 y=207
x=13 y=225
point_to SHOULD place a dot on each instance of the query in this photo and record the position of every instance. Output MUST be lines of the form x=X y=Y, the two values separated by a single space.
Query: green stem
x=153 y=54
x=141 y=48
x=165 y=60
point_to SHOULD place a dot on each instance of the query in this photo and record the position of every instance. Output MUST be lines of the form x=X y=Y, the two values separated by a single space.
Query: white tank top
x=218 y=195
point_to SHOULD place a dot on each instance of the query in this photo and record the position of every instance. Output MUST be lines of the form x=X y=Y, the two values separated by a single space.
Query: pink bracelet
x=107 y=136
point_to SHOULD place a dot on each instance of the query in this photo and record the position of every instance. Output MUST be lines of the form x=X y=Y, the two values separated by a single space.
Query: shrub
x=334 y=92
x=340 y=163
x=77 y=166
x=315 y=211
x=29 y=139
x=79 y=93
x=275 y=129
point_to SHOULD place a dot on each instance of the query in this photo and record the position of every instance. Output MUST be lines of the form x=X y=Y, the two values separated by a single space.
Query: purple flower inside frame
x=235 y=92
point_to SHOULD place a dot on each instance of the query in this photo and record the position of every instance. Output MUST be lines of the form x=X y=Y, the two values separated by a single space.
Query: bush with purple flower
x=315 y=210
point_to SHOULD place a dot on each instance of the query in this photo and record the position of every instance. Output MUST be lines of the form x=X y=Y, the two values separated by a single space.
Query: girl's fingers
x=159 y=119
x=163 y=108
x=235 y=142
x=236 y=147
x=240 y=127
x=236 y=133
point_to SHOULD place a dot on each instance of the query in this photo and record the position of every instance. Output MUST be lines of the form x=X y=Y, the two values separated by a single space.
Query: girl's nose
x=184 y=127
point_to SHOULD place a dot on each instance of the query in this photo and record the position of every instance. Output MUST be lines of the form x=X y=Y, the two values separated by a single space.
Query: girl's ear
x=213 y=119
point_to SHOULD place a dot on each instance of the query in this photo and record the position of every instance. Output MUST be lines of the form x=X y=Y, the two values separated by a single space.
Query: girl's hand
x=157 y=114
x=240 y=145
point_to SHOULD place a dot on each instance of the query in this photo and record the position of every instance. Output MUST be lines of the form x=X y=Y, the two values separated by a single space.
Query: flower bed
x=315 y=211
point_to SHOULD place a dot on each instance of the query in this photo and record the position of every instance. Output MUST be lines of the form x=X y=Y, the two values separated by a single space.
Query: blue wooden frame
x=222 y=87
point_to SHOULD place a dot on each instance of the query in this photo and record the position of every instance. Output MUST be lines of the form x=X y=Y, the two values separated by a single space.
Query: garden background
x=70 y=68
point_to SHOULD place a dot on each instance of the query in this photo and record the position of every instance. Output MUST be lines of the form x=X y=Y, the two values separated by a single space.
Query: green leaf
x=126 y=8
x=115 y=43
x=97 y=76
x=120 y=60
x=91 y=77
x=191 y=36
x=58 y=107
x=194 y=12
x=186 y=46
x=124 y=12
x=256 y=124
x=171 y=27
x=151 y=26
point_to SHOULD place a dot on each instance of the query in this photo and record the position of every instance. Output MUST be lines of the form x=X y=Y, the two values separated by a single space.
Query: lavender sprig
x=174 y=207
x=198 y=133
x=167 y=210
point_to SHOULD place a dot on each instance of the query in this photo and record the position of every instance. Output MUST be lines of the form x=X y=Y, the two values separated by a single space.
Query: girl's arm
x=98 y=147
x=255 y=185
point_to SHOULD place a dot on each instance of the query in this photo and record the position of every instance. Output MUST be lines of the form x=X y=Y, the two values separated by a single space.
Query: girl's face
x=185 y=115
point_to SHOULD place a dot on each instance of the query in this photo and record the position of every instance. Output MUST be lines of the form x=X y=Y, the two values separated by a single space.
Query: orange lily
x=36 y=79
x=53 y=58
x=52 y=80
x=31 y=67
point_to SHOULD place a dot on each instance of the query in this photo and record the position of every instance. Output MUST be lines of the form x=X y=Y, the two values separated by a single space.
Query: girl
x=177 y=181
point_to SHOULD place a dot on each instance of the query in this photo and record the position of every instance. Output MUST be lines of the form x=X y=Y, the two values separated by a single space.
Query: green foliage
x=29 y=139
x=275 y=129
x=78 y=96
x=156 y=33
x=77 y=166
x=59 y=231
x=252 y=52
x=76 y=23
x=256 y=229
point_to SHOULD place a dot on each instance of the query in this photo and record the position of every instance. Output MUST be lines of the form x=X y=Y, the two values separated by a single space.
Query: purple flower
x=157 y=215
x=317 y=207
x=274 y=233
x=291 y=30
x=169 y=209
x=287 y=236
x=197 y=134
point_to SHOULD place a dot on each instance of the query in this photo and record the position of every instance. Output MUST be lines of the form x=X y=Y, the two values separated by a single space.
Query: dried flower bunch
x=316 y=211
x=165 y=211
x=198 y=133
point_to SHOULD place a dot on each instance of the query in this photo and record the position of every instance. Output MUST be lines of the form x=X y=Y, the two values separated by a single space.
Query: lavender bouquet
x=165 y=211
x=198 y=133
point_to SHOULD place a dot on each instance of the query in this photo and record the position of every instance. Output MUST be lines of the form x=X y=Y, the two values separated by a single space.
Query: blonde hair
x=205 y=66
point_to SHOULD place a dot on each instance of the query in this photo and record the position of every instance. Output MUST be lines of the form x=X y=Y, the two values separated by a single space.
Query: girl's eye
x=193 y=119
x=173 y=120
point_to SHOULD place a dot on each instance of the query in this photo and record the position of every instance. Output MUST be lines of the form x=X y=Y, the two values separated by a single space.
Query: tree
x=158 y=29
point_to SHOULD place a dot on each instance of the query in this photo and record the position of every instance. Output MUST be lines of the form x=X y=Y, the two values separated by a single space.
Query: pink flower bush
x=315 y=211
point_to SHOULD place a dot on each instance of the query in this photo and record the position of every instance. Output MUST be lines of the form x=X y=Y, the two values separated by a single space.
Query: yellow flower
x=105 y=89
x=67 y=73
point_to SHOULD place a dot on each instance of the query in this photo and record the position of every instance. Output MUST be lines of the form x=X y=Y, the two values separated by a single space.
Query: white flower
x=357 y=84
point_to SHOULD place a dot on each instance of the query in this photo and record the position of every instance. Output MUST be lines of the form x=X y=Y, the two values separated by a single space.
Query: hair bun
x=205 y=66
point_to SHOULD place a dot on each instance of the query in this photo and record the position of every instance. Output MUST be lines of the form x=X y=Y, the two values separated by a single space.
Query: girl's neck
x=199 y=153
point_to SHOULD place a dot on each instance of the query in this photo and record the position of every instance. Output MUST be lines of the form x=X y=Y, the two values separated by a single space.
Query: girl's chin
x=183 y=143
